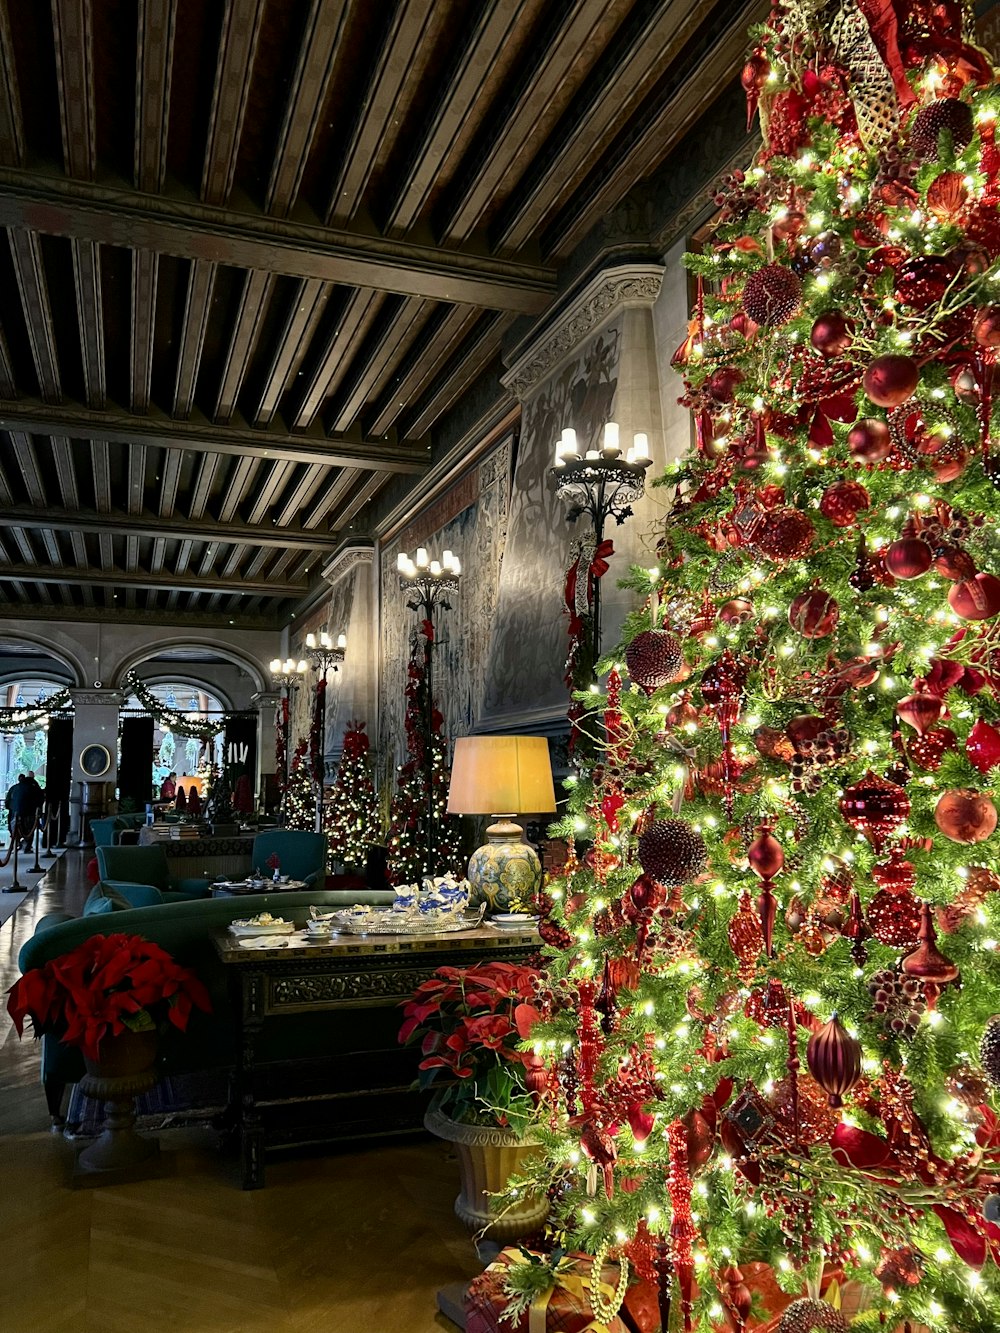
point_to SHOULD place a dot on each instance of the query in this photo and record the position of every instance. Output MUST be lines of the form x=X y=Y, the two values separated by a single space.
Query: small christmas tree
x=771 y=1034
x=300 y=804
x=350 y=807
x=423 y=837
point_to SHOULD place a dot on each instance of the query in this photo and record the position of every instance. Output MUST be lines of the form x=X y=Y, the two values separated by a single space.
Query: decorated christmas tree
x=423 y=837
x=769 y=1048
x=350 y=810
x=300 y=802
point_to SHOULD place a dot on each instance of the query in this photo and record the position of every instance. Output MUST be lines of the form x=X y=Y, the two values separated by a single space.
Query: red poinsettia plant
x=105 y=985
x=469 y=1022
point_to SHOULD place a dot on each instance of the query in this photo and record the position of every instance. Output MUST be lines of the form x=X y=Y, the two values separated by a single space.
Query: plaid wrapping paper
x=564 y=1308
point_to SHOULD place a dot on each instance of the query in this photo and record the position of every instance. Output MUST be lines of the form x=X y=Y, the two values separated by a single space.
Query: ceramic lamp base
x=505 y=873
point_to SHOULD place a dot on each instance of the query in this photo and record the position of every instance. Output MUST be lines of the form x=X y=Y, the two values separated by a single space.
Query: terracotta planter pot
x=487 y=1158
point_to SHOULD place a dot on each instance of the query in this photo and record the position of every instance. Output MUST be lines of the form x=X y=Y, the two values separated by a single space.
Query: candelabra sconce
x=603 y=483
x=324 y=656
x=286 y=676
x=427 y=584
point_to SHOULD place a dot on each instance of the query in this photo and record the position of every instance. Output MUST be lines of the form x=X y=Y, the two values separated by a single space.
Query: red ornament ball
x=723 y=383
x=772 y=294
x=947 y=113
x=890 y=380
x=922 y=282
x=874 y=806
x=869 y=440
x=908 y=558
x=986 y=326
x=672 y=851
x=928 y=750
x=653 y=658
x=788 y=535
x=977 y=598
x=737 y=611
x=832 y=333
x=965 y=816
x=842 y=502
x=947 y=196
x=814 y=614
x=755 y=73
x=834 y=1059
x=982 y=746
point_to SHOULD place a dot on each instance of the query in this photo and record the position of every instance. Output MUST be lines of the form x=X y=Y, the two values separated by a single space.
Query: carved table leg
x=251 y=1130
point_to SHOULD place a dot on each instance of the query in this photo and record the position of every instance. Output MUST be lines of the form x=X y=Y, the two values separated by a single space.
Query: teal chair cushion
x=301 y=855
x=119 y=896
x=98 y=906
x=147 y=865
x=104 y=831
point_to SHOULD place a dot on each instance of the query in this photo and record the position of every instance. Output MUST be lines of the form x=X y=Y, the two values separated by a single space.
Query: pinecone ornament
x=947 y=113
x=809 y=1316
x=989 y=1050
x=653 y=658
x=772 y=294
x=898 y=1000
x=672 y=851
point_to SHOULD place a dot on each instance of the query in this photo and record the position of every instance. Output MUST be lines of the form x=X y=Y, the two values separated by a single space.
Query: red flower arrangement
x=469 y=1021
x=274 y=861
x=105 y=985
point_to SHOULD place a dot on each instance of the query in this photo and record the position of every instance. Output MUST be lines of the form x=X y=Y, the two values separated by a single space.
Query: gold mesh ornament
x=871 y=88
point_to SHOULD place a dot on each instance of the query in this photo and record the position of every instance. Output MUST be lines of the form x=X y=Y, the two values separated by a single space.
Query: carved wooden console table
x=337 y=1001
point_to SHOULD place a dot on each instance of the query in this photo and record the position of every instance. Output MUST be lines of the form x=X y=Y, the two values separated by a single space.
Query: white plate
x=275 y=928
x=520 y=923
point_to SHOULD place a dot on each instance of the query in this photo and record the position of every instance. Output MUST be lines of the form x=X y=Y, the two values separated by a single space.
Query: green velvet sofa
x=183 y=929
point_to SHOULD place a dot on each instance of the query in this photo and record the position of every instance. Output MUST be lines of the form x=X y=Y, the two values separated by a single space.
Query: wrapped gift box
x=564 y=1308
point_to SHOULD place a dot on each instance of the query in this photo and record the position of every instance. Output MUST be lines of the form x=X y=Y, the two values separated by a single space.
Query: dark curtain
x=135 y=772
x=58 y=777
x=240 y=732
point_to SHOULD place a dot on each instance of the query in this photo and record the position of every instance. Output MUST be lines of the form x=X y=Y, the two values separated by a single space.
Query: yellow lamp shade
x=492 y=775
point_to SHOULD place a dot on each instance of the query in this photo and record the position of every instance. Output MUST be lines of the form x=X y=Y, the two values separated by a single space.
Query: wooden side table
x=346 y=977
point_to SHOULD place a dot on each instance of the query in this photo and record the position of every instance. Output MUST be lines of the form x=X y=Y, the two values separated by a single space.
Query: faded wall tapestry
x=528 y=644
x=471 y=520
x=334 y=617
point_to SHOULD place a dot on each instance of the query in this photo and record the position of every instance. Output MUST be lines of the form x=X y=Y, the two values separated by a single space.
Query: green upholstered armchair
x=300 y=855
x=104 y=831
x=147 y=865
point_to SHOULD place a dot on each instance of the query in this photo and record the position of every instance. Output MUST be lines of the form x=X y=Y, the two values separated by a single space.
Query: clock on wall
x=95 y=760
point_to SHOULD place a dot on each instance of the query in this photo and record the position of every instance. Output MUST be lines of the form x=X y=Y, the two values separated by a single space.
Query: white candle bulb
x=325 y=640
x=436 y=568
x=611 y=446
x=567 y=445
x=592 y=454
x=446 y=559
x=456 y=568
x=402 y=560
x=641 y=446
x=310 y=640
x=302 y=668
x=275 y=666
x=420 y=559
x=341 y=640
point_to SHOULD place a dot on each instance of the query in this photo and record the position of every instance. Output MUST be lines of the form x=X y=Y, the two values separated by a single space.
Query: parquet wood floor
x=354 y=1242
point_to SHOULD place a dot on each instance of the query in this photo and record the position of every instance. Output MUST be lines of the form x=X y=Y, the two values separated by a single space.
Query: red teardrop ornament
x=834 y=1059
x=920 y=711
x=982 y=746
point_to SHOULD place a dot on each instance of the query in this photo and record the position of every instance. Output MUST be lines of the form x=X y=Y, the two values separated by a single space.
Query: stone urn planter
x=487 y=1158
x=125 y=1068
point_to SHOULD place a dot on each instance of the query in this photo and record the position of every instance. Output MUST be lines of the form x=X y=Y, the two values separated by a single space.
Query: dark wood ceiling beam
x=5 y=495
x=477 y=352
x=183 y=558
x=201 y=283
x=300 y=496
x=27 y=460
x=79 y=549
x=51 y=544
x=256 y=294
x=233 y=561
x=131 y=554
x=203 y=486
x=379 y=110
x=237 y=48
x=439 y=348
x=654 y=133
x=296 y=337
x=239 y=484
x=357 y=502
x=73 y=30
x=585 y=27
x=154 y=63
x=189 y=230
x=148 y=524
x=392 y=346
x=106 y=549
x=11 y=119
x=120 y=578
x=495 y=26
x=7 y=387
x=353 y=324
x=196 y=434
x=24 y=547
x=159 y=555
x=331 y=497
x=610 y=104
x=270 y=489
x=100 y=463
x=137 y=479
x=170 y=472
x=208 y=559
x=258 y=562
x=90 y=316
x=252 y=617
x=62 y=456
x=322 y=36
x=145 y=271
x=29 y=267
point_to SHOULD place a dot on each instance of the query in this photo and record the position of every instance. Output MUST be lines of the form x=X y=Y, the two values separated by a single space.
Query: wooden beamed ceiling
x=256 y=250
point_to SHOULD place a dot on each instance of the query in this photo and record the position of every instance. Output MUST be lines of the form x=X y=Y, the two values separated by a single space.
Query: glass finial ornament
x=927 y=963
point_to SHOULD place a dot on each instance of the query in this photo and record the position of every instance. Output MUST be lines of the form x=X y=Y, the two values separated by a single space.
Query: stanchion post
x=15 y=832
x=37 y=868
x=48 y=831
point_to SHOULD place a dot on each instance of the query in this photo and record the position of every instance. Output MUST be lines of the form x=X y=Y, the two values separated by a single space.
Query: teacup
x=318 y=927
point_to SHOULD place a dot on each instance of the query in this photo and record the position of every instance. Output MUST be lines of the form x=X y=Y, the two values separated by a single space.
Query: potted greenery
x=469 y=1022
x=109 y=996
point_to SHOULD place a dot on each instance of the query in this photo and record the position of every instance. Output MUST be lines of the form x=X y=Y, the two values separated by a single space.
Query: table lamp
x=502 y=776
